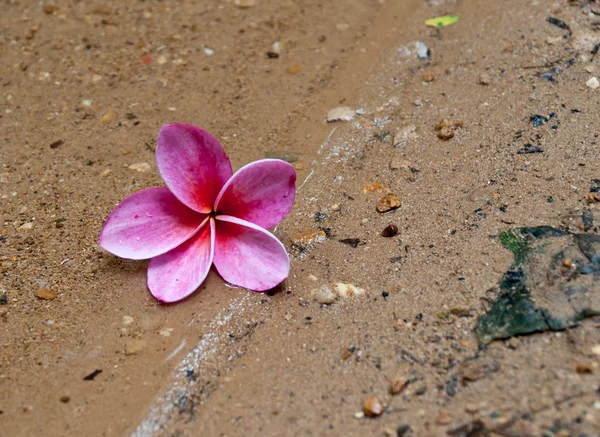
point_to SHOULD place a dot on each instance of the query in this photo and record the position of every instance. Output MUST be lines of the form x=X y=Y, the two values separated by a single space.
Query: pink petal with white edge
x=261 y=192
x=193 y=164
x=148 y=223
x=178 y=273
x=249 y=256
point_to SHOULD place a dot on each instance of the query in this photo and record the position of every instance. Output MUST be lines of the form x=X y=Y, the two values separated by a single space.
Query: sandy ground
x=84 y=90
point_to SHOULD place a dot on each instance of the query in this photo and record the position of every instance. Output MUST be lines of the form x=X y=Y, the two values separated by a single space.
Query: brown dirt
x=230 y=362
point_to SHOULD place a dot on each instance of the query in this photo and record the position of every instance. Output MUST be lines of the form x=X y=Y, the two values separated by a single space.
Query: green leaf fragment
x=443 y=21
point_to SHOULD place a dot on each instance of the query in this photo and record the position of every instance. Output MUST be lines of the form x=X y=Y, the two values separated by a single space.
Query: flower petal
x=249 y=256
x=148 y=223
x=261 y=192
x=193 y=164
x=176 y=274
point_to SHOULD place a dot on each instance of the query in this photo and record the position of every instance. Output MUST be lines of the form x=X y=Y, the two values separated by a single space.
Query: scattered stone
x=127 y=320
x=341 y=113
x=26 y=226
x=96 y=78
x=45 y=294
x=64 y=399
x=398 y=385
x=109 y=117
x=428 y=77
x=352 y=242
x=306 y=238
x=472 y=373
x=584 y=368
x=4 y=300
x=596 y=349
x=147 y=59
x=593 y=83
x=389 y=202
x=48 y=9
x=162 y=59
x=165 y=332
x=133 y=346
x=244 y=4
x=372 y=407
x=359 y=415
x=325 y=296
x=405 y=134
x=56 y=144
x=272 y=55
x=422 y=50
x=446 y=128
x=443 y=418
x=208 y=52
x=514 y=343
x=390 y=231
x=335 y=207
x=484 y=79
x=140 y=166
x=529 y=148
x=288 y=316
x=402 y=430
x=295 y=69
x=342 y=26
x=345 y=290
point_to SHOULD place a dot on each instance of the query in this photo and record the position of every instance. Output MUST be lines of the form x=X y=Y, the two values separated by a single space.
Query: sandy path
x=230 y=362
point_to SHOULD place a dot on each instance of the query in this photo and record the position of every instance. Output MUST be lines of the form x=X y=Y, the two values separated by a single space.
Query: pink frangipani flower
x=206 y=215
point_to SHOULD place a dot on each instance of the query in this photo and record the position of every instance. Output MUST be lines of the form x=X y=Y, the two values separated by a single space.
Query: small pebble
x=390 y=231
x=428 y=77
x=295 y=69
x=398 y=385
x=140 y=166
x=64 y=399
x=325 y=296
x=108 y=117
x=584 y=368
x=341 y=113
x=389 y=202
x=345 y=290
x=405 y=134
x=593 y=83
x=166 y=332
x=372 y=407
x=484 y=79
x=127 y=320
x=26 y=226
x=45 y=294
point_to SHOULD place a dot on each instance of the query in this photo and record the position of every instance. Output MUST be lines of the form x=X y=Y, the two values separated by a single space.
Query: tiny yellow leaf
x=444 y=21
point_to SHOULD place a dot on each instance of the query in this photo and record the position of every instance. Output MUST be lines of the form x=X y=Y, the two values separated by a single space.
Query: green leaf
x=444 y=21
